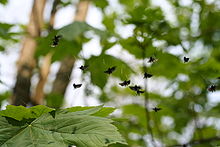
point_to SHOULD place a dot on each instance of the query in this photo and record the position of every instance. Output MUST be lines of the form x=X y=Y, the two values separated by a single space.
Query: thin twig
x=160 y=133
x=146 y=95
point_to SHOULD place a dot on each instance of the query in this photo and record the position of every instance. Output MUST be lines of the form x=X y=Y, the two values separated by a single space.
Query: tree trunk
x=44 y=71
x=62 y=79
x=26 y=62
x=45 y=68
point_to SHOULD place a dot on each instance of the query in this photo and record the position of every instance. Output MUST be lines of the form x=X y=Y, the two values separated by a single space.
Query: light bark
x=26 y=62
x=38 y=97
x=44 y=72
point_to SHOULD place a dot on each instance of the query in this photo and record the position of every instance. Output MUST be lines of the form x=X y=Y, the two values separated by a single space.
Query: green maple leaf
x=80 y=128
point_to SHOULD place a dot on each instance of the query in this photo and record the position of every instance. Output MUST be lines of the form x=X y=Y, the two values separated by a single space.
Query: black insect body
x=77 y=85
x=218 y=78
x=152 y=60
x=212 y=88
x=147 y=75
x=110 y=70
x=140 y=92
x=135 y=88
x=83 y=67
x=186 y=59
x=125 y=83
x=156 y=109
x=56 y=40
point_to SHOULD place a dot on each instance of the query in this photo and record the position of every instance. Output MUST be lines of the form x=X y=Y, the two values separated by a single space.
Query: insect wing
x=140 y=92
x=110 y=70
x=125 y=83
x=151 y=60
x=156 y=109
x=147 y=75
x=135 y=88
x=83 y=67
x=122 y=84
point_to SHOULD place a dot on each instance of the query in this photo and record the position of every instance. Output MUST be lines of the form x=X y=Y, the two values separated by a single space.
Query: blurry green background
x=126 y=33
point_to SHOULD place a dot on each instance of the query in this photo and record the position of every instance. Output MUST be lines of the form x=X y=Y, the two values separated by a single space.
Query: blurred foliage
x=65 y=47
x=4 y=96
x=179 y=88
x=6 y=32
x=7 y=36
x=101 y=4
x=101 y=63
x=54 y=100
x=4 y=2
x=187 y=83
x=72 y=38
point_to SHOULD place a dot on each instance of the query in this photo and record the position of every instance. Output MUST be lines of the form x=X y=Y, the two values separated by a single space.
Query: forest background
x=136 y=36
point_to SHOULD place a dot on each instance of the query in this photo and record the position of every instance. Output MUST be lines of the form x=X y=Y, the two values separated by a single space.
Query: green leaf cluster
x=80 y=126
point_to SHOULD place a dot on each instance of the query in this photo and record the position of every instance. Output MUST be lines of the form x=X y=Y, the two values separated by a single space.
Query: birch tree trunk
x=45 y=68
x=26 y=62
